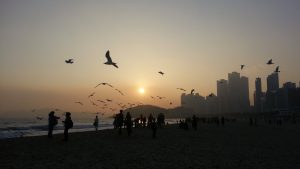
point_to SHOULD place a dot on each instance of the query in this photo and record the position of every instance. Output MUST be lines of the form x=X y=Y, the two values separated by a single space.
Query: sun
x=141 y=90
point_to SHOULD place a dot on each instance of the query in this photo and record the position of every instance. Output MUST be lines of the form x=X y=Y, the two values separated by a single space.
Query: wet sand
x=236 y=146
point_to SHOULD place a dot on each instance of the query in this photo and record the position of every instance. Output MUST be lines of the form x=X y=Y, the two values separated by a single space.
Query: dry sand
x=233 y=146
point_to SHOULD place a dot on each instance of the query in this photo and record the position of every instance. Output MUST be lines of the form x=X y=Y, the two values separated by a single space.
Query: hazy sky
x=194 y=42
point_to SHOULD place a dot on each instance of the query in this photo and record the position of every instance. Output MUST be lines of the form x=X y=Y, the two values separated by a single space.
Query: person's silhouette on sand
x=68 y=123
x=153 y=128
x=120 y=120
x=128 y=123
x=96 y=123
x=52 y=121
x=194 y=122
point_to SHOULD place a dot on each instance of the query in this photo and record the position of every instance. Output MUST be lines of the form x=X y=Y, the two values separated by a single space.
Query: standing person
x=154 y=128
x=52 y=121
x=68 y=123
x=128 y=123
x=120 y=120
x=194 y=122
x=96 y=123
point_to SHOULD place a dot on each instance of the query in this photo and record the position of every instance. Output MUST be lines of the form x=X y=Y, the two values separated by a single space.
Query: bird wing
x=108 y=56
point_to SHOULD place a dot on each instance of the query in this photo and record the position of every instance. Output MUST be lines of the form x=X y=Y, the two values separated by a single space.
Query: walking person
x=52 y=121
x=128 y=123
x=68 y=123
x=96 y=123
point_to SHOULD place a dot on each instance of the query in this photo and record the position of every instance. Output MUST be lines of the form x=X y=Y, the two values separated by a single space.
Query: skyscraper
x=222 y=93
x=238 y=93
x=234 y=92
x=272 y=82
x=244 y=95
x=258 y=95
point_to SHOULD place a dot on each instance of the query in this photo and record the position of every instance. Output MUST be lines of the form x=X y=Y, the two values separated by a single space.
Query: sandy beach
x=236 y=145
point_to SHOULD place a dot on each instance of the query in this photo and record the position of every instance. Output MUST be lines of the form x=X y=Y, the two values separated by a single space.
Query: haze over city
x=195 y=43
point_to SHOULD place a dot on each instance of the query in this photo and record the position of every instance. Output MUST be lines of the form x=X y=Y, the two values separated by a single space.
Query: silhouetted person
x=68 y=123
x=120 y=120
x=150 y=119
x=96 y=123
x=52 y=121
x=250 y=121
x=128 y=123
x=223 y=121
x=194 y=122
x=153 y=128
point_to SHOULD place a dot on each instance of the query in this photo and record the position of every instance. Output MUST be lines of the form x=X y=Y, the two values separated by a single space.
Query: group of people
x=119 y=123
x=53 y=121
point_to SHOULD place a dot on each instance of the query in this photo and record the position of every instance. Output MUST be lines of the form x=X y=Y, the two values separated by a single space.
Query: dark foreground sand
x=232 y=146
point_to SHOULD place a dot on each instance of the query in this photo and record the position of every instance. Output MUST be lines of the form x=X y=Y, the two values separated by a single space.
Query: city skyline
x=193 y=43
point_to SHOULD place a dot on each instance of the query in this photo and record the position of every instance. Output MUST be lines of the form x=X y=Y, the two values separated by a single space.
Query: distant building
x=258 y=95
x=272 y=82
x=238 y=93
x=194 y=101
x=222 y=94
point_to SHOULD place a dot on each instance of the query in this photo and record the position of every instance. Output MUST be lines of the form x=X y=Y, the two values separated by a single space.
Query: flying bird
x=160 y=97
x=181 y=89
x=69 y=61
x=39 y=118
x=108 y=100
x=152 y=97
x=192 y=91
x=277 y=69
x=242 y=66
x=91 y=95
x=79 y=103
x=109 y=60
x=119 y=91
x=270 y=62
x=162 y=73
x=104 y=84
x=101 y=101
x=94 y=104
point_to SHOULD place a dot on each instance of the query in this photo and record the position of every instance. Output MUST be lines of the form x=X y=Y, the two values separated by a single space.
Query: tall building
x=271 y=94
x=258 y=94
x=234 y=92
x=272 y=82
x=238 y=93
x=222 y=94
x=194 y=101
x=244 y=95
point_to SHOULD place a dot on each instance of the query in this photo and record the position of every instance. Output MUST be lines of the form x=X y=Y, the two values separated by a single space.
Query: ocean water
x=16 y=127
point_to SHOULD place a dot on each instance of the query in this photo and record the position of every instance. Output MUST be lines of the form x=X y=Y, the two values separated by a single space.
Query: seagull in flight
x=104 y=84
x=160 y=97
x=109 y=61
x=94 y=104
x=192 y=91
x=270 y=62
x=277 y=69
x=69 y=61
x=119 y=92
x=79 y=103
x=181 y=89
x=162 y=73
x=91 y=95
x=242 y=66
x=101 y=101
x=39 y=118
